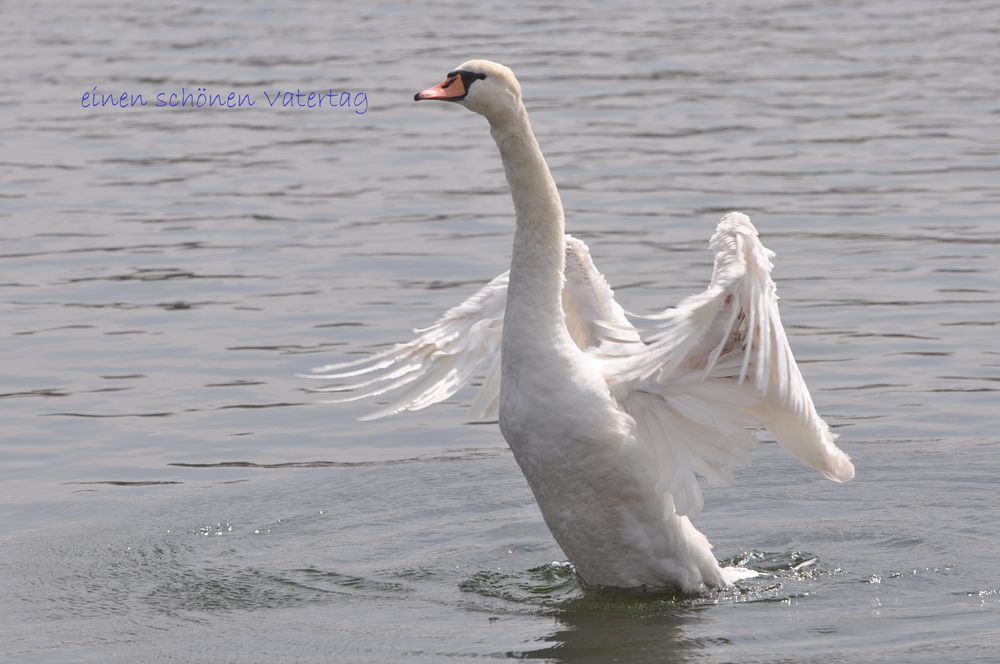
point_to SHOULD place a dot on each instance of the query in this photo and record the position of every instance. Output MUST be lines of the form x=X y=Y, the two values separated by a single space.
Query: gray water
x=170 y=492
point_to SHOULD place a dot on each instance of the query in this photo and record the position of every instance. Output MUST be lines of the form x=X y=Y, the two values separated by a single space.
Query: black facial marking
x=468 y=78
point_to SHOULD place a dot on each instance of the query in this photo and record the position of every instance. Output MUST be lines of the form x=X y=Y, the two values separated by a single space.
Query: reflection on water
x=632 y=632
x=169 y=489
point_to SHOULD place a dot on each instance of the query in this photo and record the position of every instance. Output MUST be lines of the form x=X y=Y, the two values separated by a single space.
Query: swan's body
x=608 y=430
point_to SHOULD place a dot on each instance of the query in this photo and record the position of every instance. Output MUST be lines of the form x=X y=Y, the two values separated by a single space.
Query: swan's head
x=485 y=87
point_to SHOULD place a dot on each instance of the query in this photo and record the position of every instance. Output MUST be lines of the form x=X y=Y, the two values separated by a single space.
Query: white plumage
x=609 y=427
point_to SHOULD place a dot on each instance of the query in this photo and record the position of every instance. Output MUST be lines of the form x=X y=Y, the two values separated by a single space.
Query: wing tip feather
x=839 y=469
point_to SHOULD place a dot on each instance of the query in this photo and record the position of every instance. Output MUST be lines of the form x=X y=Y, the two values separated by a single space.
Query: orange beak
x=452 y=88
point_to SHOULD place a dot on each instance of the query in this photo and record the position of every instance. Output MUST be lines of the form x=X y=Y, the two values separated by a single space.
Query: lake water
x=170 y=492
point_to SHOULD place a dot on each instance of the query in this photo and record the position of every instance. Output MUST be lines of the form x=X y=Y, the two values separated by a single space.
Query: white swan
x=609 y=430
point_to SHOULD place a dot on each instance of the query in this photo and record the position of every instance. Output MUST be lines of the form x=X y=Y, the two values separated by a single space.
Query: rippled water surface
x=170 y=492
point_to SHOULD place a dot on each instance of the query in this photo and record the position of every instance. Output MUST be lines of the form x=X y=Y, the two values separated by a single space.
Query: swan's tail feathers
x=434 y=365
x=730 y=337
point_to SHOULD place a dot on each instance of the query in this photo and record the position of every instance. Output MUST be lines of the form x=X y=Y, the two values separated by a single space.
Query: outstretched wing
x=465 y=343
x=716 y=364
x=434 y=365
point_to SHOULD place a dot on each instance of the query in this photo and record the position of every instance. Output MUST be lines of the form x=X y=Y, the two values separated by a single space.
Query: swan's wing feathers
x=434 y=365
x=593 y=317
x=688 y=433
x=718 y=363
x=692 y=425
x=757 y=335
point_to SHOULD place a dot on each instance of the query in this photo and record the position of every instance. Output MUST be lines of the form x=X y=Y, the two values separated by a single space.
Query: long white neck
x=534 y=314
